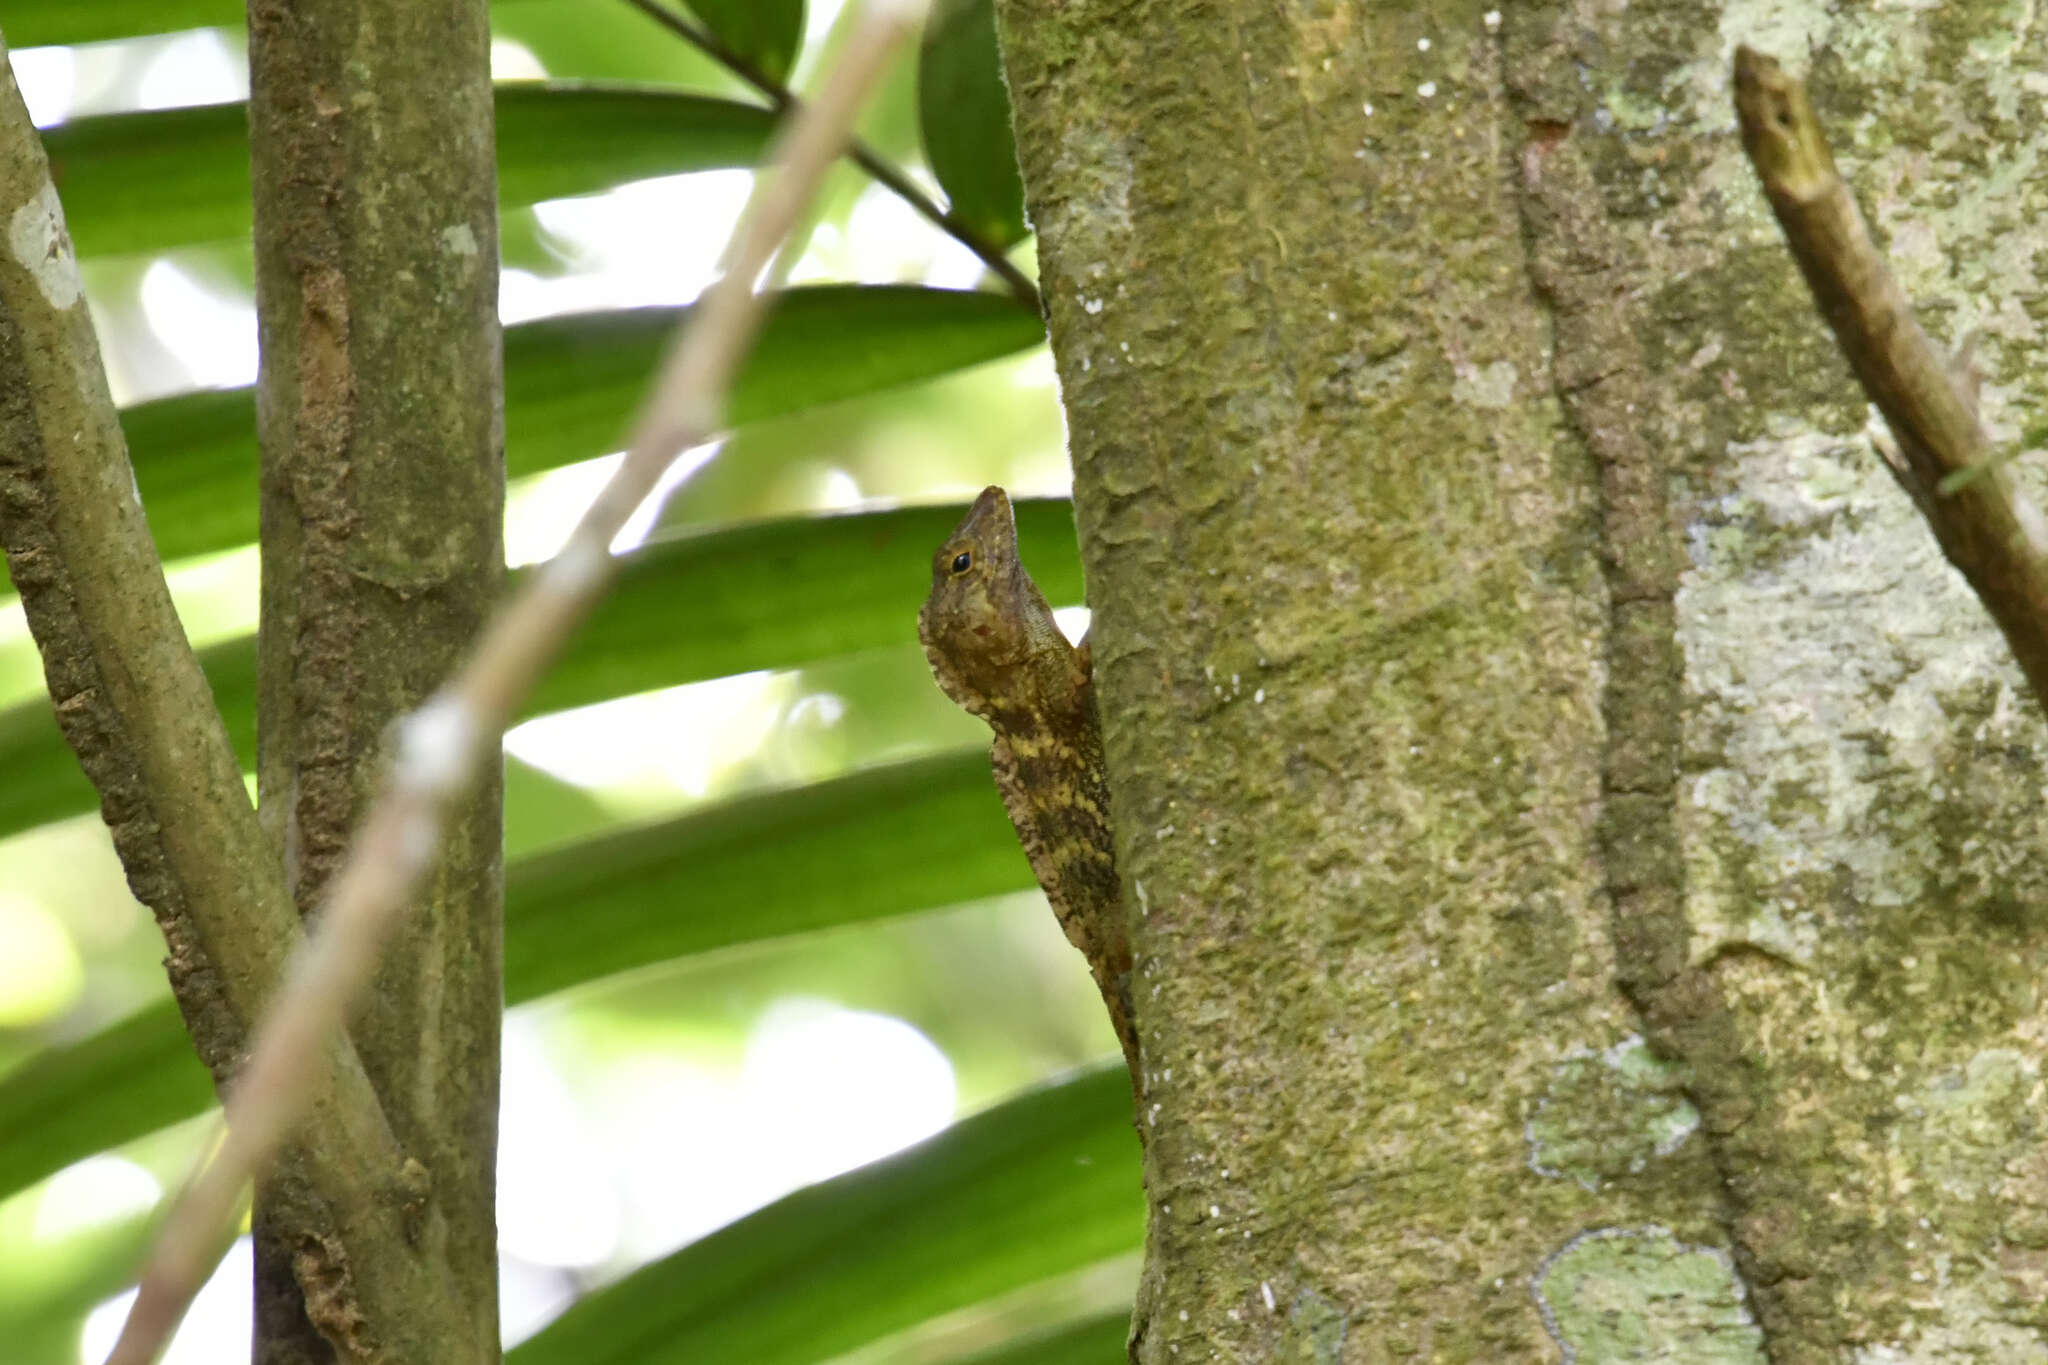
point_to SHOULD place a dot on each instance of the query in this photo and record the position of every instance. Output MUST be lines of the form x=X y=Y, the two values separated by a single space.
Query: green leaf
x=69 y=1101
x=608 y=40
x=48 y=1291
x=37 y=23
x=174 y=177
x=765 y=32
x=778 y=594
x=886 y=841
x=1041 y=1185
x=964 y=109
x=1091 y=1341
x=771 y=595
x=572 y=384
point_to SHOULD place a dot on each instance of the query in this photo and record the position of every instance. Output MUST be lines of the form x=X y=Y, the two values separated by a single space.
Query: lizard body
x=996 y=651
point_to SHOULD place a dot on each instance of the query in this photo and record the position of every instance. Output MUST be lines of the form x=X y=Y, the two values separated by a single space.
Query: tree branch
x=132 y=702
x=440 y=743
x=1986 y=525
x=782 y=99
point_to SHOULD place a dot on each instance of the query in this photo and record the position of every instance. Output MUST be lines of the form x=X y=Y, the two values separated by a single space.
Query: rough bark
x=1587 y=844
x=382 y=506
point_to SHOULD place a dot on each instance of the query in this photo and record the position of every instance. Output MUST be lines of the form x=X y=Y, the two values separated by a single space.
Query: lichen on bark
x=1509 y=645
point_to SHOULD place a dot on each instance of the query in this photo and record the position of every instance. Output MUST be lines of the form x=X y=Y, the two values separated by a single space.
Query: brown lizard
x=995 y=650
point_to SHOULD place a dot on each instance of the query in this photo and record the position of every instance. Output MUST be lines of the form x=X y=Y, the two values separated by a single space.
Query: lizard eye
x=962 y=562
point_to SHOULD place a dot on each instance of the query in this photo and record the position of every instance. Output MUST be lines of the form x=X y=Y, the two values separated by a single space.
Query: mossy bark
x=382 y=507
x=1587 y=846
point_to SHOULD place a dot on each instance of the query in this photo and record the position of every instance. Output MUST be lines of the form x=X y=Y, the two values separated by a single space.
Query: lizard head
x=985 y=625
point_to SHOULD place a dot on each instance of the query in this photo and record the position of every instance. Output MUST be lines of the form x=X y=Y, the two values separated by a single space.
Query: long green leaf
x=963 y=111
x=1091 y=1341
x=571 y=384
x=48 y=1292
x=905 y=837
x=886 y=841
x=1041 y=1185
x=176 y=177
x=38 y=23
x=771 y=595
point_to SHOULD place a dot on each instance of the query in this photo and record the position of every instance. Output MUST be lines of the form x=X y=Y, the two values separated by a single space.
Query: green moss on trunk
x=1587 y=848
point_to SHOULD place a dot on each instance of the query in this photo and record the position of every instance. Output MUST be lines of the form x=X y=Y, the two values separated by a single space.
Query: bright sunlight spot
x=213 y=337
x=514 y=61
x=822 y=1089
x=88 y=1193
x=540 y=513
x=39 y=971
x=556 y=1204
x=682 y=737
x=885 y=229
x=216 y=1329
x=48 y=77
x=834 y=1088
x=192 y=68
x=650 y=242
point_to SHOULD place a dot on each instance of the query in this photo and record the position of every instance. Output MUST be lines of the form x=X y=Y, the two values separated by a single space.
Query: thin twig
x=439 y=743
x=782 y=99
x=1987 y=526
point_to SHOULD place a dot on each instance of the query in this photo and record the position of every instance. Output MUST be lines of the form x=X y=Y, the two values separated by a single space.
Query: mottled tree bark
x=382 y=505
x=1587 y=845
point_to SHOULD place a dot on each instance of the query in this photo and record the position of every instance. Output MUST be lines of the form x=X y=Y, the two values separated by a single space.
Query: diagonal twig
x=439 y=743
x=879 y=168
x=1987 y=526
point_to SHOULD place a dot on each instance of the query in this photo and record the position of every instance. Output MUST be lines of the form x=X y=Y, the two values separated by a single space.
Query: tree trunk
x=1586 y=843
x=382 y=504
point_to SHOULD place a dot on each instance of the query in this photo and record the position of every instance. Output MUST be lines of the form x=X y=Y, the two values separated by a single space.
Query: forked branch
x=439 y=744
x=131 y=700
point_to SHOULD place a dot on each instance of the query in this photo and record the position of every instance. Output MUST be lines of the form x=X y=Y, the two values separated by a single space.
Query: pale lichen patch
x=41 y=245
x=1607 y=1114
x=1828 y=649
x=1489 y=386
x=1641 y=1294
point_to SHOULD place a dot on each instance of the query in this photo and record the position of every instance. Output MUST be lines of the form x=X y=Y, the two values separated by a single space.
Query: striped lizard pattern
x=996 y=651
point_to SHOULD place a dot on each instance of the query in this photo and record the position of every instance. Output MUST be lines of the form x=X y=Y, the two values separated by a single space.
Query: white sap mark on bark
x=459 y=239
x=36 y=236
x=1641 y=1294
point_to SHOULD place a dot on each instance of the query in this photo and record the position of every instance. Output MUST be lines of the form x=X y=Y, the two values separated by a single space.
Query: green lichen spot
x=1607 y=1114
x=1640 y=1294
x=1315 y=1332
